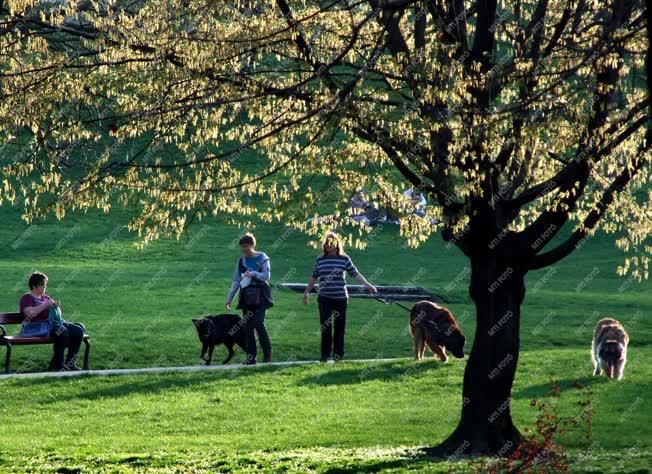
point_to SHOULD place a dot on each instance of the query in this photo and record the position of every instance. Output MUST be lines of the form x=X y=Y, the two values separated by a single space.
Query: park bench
x=10 y=341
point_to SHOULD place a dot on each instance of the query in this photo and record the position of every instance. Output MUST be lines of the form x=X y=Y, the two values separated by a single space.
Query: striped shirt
x=329 y=270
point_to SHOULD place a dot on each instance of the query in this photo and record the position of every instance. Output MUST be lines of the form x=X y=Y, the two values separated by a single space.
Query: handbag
x=35 y=329
x=251 y=295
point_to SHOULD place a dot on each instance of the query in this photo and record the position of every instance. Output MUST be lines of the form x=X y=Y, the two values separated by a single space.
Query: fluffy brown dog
x=609 y=348
x=435 y=327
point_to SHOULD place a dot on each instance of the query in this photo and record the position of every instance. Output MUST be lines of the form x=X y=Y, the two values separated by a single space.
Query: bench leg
x=8 y=359
x=87 y=351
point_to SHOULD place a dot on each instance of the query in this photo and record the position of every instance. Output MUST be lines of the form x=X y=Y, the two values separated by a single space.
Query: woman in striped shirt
x=332 y=295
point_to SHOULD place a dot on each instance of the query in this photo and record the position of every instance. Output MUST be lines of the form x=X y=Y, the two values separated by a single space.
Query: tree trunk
x=486 y=427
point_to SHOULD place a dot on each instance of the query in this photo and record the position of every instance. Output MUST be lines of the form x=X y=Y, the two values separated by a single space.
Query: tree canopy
x=536 y=110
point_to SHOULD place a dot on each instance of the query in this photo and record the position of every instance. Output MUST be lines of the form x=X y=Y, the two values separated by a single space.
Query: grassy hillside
x=345 y=418
x=137 y=306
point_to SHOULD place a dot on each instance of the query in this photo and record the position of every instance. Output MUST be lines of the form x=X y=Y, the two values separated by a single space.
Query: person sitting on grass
x=37 y=306
x=418 y=200
x=332 y=296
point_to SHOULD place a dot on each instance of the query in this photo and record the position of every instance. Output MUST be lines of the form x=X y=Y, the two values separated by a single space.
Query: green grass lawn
x=137 y=306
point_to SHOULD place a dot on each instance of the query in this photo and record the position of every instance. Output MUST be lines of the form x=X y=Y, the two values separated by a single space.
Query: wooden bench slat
x=11 y=318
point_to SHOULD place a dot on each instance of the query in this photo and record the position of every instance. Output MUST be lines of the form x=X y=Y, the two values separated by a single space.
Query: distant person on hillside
x=332 y=294
x=358 y=201
x=37 y=306
x=362 y=210
x=418 y=200
x=359 y=206
x=250 y=278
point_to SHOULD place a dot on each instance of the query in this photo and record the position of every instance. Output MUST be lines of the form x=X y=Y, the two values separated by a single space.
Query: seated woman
x=37 y=306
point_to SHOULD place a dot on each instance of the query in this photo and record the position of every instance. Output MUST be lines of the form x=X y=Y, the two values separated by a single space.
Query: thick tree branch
x=591 y=220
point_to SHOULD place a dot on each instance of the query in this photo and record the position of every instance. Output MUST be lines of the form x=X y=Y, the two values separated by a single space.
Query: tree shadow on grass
x=420 y=460
x=372 y=371
x=541 y=390
x=116 y=386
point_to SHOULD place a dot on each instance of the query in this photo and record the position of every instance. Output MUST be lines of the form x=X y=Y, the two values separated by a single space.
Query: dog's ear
x=196 y=322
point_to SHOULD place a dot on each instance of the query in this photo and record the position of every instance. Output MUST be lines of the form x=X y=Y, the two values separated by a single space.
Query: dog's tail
x=415 y=317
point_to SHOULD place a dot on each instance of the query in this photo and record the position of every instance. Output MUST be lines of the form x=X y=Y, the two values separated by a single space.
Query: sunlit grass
x=310 y=417
x=137 y=307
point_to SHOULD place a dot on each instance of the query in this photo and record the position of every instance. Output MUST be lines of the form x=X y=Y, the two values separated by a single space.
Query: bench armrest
x=3 y=331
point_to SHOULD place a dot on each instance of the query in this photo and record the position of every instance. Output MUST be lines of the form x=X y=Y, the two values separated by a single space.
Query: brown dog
x=435 y=327
x=609 y=348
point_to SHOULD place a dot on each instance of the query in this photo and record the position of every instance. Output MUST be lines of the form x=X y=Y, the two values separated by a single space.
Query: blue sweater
x=259 y=267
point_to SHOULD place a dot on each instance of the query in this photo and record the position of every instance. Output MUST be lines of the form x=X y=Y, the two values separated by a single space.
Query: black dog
x=227 y=329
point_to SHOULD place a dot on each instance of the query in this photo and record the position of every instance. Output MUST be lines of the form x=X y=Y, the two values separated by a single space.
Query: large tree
x=523 y=122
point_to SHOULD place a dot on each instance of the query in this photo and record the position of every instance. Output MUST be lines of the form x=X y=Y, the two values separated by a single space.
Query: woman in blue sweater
x=332 y=294
x=250 y=278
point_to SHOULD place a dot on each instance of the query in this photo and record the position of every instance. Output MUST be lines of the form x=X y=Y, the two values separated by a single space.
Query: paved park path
x=187 y=368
